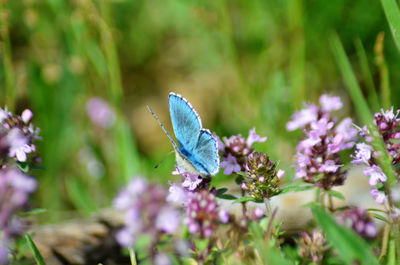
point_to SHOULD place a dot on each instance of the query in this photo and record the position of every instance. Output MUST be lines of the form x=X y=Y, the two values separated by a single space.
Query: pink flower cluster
x=235 y=150
x=146 y=211
x=388 y=125
x=17 y=137
x=318 y=159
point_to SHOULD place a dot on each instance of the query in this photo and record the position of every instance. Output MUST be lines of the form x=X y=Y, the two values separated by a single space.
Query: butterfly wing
x=205 y=156
x=185 y=121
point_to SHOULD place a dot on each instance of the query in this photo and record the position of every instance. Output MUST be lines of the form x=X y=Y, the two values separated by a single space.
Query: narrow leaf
x=350 y=246
x=392 y=13
x=36 y=254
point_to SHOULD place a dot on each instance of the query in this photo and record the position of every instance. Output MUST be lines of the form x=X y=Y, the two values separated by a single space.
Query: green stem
x=7 y=60
x=132 y=255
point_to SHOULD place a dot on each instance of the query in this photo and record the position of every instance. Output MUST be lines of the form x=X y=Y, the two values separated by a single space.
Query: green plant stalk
x=297 y=51
x=385 y=241
x=383 y=70
x=385 y=161
x=392 y=12
x=132 y=256
x=396 y=234
x=6 y=52
x=366 y=71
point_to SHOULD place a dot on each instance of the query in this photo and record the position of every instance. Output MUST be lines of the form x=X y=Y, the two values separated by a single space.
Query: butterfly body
x=197 y=152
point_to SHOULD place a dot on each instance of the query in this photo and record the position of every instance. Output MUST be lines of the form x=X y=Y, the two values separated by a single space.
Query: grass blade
x=385 y=161
x=36 y=254
x=349 y=245
x=392 y=12
x=366 y=72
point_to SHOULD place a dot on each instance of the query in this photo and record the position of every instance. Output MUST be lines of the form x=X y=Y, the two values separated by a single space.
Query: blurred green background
x=240 y=63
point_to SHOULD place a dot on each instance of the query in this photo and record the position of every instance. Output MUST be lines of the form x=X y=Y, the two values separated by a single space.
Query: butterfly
x=197 y=152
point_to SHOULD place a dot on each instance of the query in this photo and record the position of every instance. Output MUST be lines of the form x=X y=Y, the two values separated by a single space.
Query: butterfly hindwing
x=206 y=153
x=185 y=121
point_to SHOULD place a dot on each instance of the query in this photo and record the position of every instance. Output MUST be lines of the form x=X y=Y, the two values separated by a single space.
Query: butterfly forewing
x=185 y=121
x=206 y=152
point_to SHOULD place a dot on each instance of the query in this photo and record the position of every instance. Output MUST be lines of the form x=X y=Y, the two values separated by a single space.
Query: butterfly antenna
x=156 y=166
x=163 y=127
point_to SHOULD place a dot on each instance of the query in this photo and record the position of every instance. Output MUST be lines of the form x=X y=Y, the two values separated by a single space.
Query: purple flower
x=168 y=219
x=363 y=154
x=236 y=149
x=375 y=175
x=100 y=112
x=177 y=195
x=280 y=173
x=146 y=211
x=191 y=181
x=358 y=219
x=230 y=165
x=253 y=138
x=302 y=118
x=258 y=212
x=347 y=129
x=202 y=213
x=26 y=115
x=379 y=196
x=223 y=216
x=161 y=259
x=19 y=147
x=318 y=158
x=329 y=103
x=4 y=252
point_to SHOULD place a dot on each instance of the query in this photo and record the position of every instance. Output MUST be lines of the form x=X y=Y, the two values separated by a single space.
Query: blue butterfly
x=197 y=152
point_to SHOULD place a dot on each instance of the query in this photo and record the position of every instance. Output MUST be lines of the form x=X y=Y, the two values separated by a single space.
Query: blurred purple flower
x=4 y=251
x=202 y=213
x=358 y=219
x=100 y=112
x=302 y=118
x=26 y=115
x=379 y=196
x=168 y=219
x=161 y=259
x=258 y=212
x=330 y=103
x=223 y=216
x=280 y=173
x=177 y=195
x=147 y=211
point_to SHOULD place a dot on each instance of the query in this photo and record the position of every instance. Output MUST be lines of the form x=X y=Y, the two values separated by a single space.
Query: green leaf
x=296 y=188
x=221 y=191
x=34 y=212
x=36 y=254
x=380 y=217
x=23 y=166
x=392 y=13
x=227 y=197
x=350 y=246
x=336 y=194
x=269 y=255
x=246 y=199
